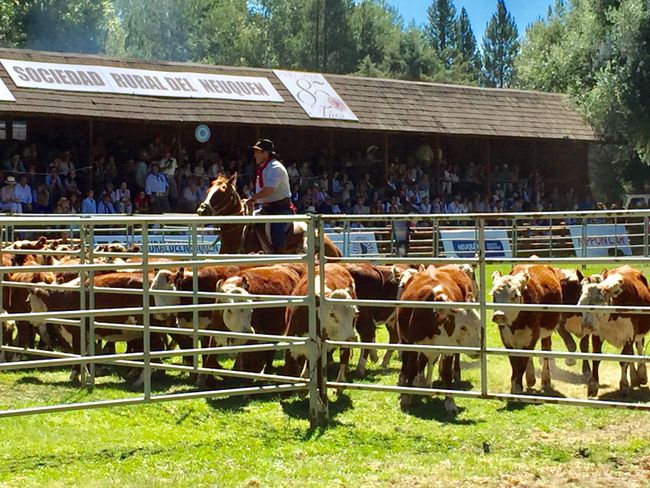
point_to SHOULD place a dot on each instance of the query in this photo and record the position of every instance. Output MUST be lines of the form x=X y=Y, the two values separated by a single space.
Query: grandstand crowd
x=161 y=177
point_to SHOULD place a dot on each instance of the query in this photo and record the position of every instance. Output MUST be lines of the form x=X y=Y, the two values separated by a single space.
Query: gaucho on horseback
x=272 y=191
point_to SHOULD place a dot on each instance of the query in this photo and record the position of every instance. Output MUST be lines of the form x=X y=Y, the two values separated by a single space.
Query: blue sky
x=479 y=11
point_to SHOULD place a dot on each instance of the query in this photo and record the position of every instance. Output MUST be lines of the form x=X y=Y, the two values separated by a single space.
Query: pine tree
x=441 y=29
x=468 y=53
x=500 y=48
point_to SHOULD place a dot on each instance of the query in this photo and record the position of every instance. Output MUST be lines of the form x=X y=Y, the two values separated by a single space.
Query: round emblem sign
x=202 y=133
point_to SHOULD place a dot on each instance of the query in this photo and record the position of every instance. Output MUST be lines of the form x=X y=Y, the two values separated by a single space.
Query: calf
x=265 y=280
x=431 y=326
x=68 y=298
x=335 y=321
x=529 y=284
x=624 y=286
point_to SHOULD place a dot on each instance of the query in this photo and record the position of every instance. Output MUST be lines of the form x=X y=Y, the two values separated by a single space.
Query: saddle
x=295 y=236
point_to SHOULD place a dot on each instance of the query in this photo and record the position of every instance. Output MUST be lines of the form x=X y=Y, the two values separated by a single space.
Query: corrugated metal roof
x=380 y=104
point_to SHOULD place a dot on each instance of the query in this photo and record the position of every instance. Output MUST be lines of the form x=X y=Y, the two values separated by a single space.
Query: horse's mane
x=219 y=180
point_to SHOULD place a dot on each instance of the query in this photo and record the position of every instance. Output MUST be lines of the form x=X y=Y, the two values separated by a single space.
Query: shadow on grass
x=433 y=408
x=640 y=395
x=516 y=405
x=298 y=408
x=567 y=376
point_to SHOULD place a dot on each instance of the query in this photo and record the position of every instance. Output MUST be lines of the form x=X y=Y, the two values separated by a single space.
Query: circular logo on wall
x=202 y=133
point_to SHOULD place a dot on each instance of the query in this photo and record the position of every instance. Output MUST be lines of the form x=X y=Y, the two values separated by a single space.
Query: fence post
x=483 y=303
x=90 y=252
x=83 y=321
x=514 y=238
x=195 y=300
x=645 y=236
x=146 y=319
x=318 y=408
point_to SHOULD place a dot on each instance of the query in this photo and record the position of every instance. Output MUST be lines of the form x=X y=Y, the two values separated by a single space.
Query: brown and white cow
x=435 y=326
x=336 y=321
x=623 y=286
x=263 y=280
x=526 y=284
x=68 y=298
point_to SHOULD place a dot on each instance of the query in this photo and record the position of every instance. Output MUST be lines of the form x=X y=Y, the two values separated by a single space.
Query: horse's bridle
x=234 y=198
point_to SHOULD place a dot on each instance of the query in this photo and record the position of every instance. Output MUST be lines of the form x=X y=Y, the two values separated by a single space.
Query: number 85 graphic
x=308 y=93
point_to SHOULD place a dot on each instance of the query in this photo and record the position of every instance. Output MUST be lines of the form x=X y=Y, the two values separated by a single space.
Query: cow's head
x=164 y=281
x=338 y=318
x=236 y=319
x=598 y=293
x=507 y=289
x=402 y=277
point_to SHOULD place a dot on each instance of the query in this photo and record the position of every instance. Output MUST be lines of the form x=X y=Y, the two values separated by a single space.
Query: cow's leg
x=546 y=364
x=569 y=342
x=292 y=367
x=624 y=384
x=530 y=373
x=584 y=347
x=518 y=366
x=447 y=373
x=344 y=360
x=425 y=362
x=594 y=380
x=407 y=374
x=457 y=368
x=26 y=334
x=638 y=373
x=366 y=328
x=393 y=338
x=208 y=361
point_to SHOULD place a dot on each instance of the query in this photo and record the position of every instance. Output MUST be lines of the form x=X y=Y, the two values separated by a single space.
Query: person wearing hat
x=157 y=189
x=272 y=191
x=8 y=199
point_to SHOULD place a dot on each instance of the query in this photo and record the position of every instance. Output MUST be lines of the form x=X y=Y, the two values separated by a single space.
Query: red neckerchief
x=259 y=177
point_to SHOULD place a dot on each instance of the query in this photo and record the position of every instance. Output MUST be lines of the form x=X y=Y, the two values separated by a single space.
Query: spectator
x=43 y=195
x=191 y=197
x=63 y=206
x=425 y=207
x=89 y=205
x=141 y=170
x=24 y=194
x=360 y=207
x=156 y=188
x=9 y=201
x=105 y=206
x=14 y=165
x=142 y=203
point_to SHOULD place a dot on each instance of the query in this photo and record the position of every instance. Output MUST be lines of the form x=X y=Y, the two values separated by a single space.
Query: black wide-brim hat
x=265 y=145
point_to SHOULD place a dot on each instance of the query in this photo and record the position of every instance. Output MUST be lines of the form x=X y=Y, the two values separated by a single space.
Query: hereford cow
x=263 y=280
x=529 y=284
x=374 y=283
x=626 y=287
x=431 y=326
x=68 y=298
x=336 y=321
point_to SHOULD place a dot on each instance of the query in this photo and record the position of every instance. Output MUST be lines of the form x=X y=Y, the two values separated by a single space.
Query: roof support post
x=488 y=164
x=386 y=163
x=91 y=145
x=436 y=158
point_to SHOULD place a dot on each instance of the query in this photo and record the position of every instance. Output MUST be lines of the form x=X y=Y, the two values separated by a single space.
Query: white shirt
x=274 y=175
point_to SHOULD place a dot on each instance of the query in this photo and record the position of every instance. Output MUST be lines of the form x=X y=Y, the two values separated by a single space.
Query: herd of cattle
x=529 y=283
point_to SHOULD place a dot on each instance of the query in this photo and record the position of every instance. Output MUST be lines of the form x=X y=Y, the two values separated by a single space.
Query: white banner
x=5 y=93
x=106 y=79
x=356 y=243
x=463 y=244
x=601 y=240
x=315 y=95
x=164 y=243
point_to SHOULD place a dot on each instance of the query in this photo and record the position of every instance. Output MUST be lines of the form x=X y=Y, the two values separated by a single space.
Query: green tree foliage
x=468 y=56
x=412 y=60
x=441 y=29
x=377 y=28
x=598 y=52
x=56 y=25
x=500 y=48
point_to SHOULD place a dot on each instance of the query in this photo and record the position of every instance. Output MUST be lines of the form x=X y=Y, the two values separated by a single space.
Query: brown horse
x=222 y=199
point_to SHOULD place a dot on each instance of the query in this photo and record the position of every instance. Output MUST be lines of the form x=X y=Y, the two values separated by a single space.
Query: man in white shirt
x=272 y=191
x=156 y=187
x=24 y=194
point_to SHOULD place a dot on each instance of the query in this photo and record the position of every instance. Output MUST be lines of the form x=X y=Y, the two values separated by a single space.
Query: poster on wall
x=356 y=243
x=463 y=243
x=601 y=240
x=315 y=95
x=5 y=93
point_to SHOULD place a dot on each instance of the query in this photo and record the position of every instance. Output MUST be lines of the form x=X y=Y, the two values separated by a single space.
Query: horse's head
x=222 y=198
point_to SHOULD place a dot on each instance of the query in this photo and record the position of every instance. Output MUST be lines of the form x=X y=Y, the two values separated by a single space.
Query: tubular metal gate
x=83 y=230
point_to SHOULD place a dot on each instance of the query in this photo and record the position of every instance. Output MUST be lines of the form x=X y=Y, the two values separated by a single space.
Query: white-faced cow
x=624 y=286
x=435 y=326
x=337 y=319
x=526 y=284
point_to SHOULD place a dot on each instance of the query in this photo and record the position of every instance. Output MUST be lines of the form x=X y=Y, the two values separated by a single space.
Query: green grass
x=267 y=441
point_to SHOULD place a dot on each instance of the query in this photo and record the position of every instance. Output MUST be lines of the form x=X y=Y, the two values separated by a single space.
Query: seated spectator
x=9 y=201
x=63 y=207
x=425 y=207
x=43 y=204
x=70 y=183
x=121 y=198
x=105 y=206
x=75 y=202
x=294 y=174
x=142 y=203
x=24 y=194
x=360 y=207
x=14 y=165
x=191 y=198
x=89 y=205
